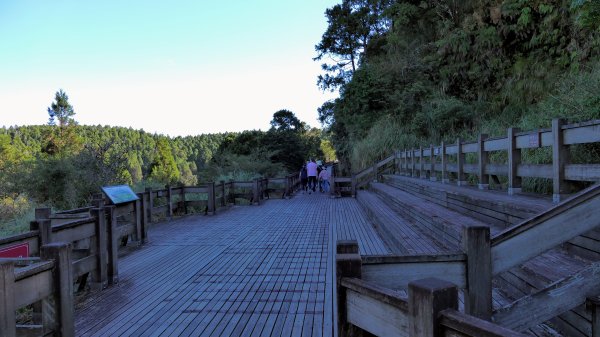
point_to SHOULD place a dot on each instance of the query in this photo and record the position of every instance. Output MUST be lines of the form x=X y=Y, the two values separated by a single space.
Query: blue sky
x=173 y=67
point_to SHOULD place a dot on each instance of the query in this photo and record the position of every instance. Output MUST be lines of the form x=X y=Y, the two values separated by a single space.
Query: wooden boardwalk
x=249 y=271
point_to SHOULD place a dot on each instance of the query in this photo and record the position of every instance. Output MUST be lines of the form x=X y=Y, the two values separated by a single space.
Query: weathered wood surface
x=250 y=271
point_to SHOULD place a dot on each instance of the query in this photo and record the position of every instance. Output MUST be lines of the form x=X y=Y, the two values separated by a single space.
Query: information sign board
x=16 y=251
x=119 y=194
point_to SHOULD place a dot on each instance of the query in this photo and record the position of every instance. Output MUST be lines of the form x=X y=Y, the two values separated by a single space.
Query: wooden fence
x=446 y=161
x=483 y=257
x=431 y=308
x=81 y=244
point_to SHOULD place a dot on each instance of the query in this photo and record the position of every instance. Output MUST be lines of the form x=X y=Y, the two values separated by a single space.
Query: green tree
x=351 y=25
x=61 y=109
x=164 y=168
x=284 y=120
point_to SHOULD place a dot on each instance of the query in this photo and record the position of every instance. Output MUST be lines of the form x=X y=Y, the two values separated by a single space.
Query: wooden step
x=401 y=236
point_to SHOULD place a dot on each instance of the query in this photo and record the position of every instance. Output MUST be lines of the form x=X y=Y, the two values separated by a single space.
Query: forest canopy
x=63 y=164
x=417 y=72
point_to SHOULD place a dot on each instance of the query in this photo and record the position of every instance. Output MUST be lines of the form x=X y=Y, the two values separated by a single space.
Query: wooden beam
x=376 y=310
x=546 y=230
x=460 y=162
x=399 y=275
x=465 y=325
x=552 y=301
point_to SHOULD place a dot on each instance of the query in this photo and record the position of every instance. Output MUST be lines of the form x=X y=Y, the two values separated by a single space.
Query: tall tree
x=352 y=24
x=61 y=109
x=284 y=120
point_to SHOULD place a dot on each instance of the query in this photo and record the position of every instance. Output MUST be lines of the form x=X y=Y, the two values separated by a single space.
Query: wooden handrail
x=545 y=231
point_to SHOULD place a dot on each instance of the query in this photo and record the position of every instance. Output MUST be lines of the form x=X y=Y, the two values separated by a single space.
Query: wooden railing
x=441 y=162
x=484 y=257
x=429 y=310
x=44 y=283
x=434 y=162
x=341 y=184
x=93 y=236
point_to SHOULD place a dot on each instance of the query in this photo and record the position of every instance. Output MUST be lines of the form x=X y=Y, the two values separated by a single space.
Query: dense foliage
x=64 y=164
x=431 y=70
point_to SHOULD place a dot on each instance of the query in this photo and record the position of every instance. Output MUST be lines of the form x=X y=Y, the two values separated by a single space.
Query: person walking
x=304 y=178
x=311 y=170
x=324 y=178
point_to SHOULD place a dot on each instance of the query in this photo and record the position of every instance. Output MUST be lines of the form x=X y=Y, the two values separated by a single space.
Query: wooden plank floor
x=250 y=271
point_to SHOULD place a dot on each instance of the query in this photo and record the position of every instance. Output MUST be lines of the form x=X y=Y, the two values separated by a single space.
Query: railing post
x=347 y=265
x=460 y=162
x=113 y=244
x=138 y=221
x=211 y=202
x=169 y=202
x=514 y=160
x=150 y=204
x=99 y=276
x=223 y=198
x=183 y=202
x=445 y=176
x=413 y=164
x=232 y=191
x=426 y=298
x=478 y=294
x=560 y=158
x=593 y=305
x=484 y=179
x=432 y=175
x=63 y=282
x=255 y=192
x=144 y=211
x=8 y=322
x=353 y=187
x=422 y=173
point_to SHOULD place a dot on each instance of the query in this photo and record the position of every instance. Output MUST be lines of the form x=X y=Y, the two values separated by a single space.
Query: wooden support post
x=347 y=247
x=444 y=155
x=232 y=191
x=150 y=204
x=593 y=305
x=223 y=197
x=8 y=322
x=113 y=244
x=514 y=160
x=347 y=265
x=63 y=283
x=432 y=175
x=484 y=179
x=183 y=200
x=460 y=162
x=478 y=295
x=137 y=213
x=169 y=202
x=100 y=275
x=422 y=173
x=413 y=164
x=560 y=158
x=212 y=202
x=426 y=298
x=145 y=222
x=353 y=186
x=255 y=196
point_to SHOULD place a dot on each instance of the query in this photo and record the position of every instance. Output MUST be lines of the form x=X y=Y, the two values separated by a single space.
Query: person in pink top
x=311 y=170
